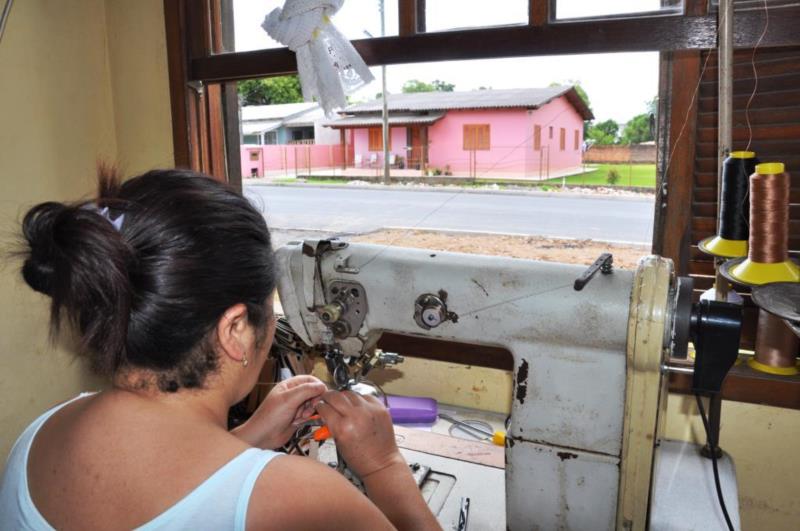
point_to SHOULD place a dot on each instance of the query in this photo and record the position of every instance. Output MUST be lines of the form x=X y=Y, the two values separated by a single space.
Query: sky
x=619 y=86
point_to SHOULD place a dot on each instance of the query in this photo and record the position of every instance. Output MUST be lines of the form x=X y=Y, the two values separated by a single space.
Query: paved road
x=346 y=210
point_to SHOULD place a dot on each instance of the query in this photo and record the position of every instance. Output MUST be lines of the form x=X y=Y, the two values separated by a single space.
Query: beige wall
x=139 y=84
x=79 y=80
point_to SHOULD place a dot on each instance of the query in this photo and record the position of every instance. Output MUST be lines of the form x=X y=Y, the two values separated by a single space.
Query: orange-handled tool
x=322 y=434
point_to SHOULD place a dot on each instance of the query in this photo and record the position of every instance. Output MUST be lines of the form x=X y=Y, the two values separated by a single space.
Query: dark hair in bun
x=147 y=295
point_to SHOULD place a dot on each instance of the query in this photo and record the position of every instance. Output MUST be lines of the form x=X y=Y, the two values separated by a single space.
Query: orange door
x=415 y=154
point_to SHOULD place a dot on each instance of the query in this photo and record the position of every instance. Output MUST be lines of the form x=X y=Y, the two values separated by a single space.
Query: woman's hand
x=287 y=405
x=362 y=429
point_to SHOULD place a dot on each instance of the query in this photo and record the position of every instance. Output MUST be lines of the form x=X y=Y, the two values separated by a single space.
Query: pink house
x=533 y=131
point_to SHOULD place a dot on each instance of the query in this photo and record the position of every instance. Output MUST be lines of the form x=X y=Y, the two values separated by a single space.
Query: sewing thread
x=769 y=218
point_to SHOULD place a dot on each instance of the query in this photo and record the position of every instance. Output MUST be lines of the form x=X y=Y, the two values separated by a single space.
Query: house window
x=562 y=142
x=551 y=133
x=537 y=137
x=271 y=137
x=476 y=137
x=376 y=139
x=251 y=139
x=577 y=140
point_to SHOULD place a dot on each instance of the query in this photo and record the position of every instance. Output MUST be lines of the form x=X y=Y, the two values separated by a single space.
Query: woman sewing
x=168 y=282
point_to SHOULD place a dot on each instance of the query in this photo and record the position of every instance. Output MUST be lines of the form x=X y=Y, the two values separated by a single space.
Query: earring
x=245 y=361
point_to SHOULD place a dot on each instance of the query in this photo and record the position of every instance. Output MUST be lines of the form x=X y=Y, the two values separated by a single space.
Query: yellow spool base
x=719 y=246
x=756 y=273
x=770 y=168
x=779 y=371
x=742 y=154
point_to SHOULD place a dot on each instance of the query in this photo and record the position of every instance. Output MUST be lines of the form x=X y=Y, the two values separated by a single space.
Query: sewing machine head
x=588 y=357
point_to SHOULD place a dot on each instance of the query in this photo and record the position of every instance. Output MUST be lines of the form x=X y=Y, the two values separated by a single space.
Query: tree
x=637 y=130
x=415 y=85
x=270 y=91
x=442 y=86
x=652 y=106
x=603 y=133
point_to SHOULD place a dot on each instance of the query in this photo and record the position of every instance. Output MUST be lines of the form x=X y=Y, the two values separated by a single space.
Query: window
x=581 y=9
x=444 y=15
x=376 y=139
x=476 y=137
x=577 y=140
x=562 y=142
x=199 y=145
x=271 y=137
x=537 y=137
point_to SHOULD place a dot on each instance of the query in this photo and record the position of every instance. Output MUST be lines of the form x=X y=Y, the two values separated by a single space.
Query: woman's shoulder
x=296 y=492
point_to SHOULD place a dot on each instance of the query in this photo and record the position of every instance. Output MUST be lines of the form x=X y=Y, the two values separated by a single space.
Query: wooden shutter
x=577 y=140
x=375 y=139
x=562 y=142
x=537 y=137
x=775 y=120
x=476 y=137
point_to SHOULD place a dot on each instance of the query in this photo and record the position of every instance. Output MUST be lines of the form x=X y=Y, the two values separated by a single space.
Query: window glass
x=442 y=15
x=576 y=9
x=465 y=126
x=357 y=19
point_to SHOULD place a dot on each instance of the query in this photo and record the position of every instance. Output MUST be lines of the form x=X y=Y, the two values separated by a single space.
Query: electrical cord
x=713 y=446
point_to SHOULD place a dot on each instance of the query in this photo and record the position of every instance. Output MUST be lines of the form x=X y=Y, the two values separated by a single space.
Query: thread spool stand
x=767 y=262
x=732 y=227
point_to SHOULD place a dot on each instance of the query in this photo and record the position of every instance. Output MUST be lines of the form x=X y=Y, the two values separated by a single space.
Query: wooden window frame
x=537 y=137
x=577 y=143
x=562 y=138
x=202 y=87
x=476 y=137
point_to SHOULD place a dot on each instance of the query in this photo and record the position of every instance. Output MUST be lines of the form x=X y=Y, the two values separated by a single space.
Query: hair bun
x=37 y=228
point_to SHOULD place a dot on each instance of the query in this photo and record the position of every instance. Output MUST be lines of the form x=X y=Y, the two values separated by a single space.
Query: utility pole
x=385 y=105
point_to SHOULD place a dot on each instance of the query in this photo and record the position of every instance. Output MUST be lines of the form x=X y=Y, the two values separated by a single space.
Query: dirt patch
x=529 y=247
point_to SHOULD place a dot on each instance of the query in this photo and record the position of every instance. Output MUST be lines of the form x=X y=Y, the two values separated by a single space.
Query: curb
x=456 y=190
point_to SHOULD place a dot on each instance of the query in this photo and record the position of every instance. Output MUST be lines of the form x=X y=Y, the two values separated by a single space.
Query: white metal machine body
x=586 y=397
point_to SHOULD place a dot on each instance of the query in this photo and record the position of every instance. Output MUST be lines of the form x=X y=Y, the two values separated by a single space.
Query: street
x=354 y=210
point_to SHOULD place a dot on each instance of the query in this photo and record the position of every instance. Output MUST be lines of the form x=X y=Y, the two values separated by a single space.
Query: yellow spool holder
x=756 y=273
x=769 y=369
x=719 y=246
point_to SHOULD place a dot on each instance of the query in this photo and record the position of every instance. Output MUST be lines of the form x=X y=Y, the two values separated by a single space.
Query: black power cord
x=712 y=442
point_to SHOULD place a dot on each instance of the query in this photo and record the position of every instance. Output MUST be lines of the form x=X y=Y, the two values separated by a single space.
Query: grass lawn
x=285 y=180
x=643 y=175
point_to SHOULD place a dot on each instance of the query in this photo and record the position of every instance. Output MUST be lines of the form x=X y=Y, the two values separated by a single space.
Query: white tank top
x=220 y=502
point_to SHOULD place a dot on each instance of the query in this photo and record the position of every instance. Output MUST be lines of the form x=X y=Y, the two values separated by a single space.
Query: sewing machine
x=590 y=349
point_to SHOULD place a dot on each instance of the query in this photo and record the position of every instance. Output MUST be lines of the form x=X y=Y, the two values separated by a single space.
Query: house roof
x=529 y=98
x=255 y=127
x=306 y=118
x=280 y=111
x=394 y=119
